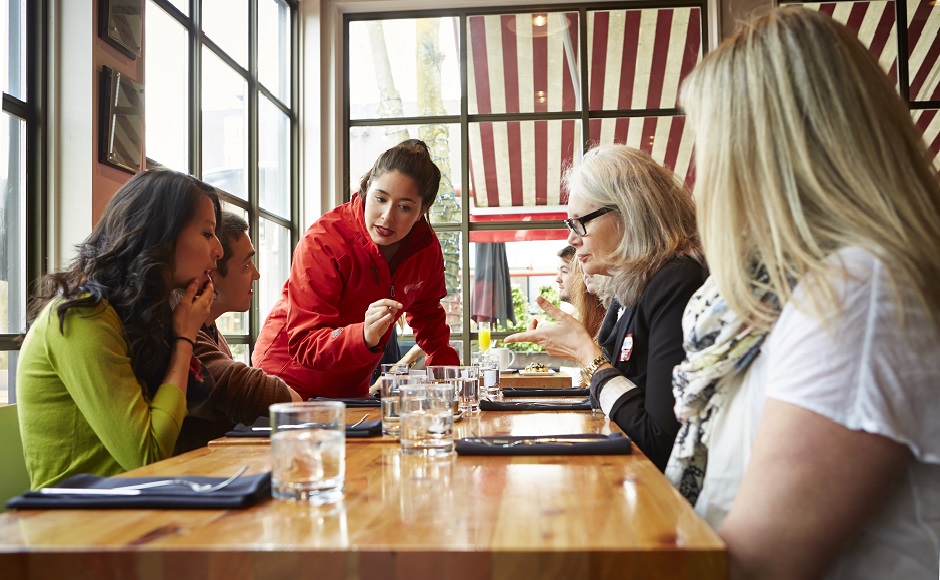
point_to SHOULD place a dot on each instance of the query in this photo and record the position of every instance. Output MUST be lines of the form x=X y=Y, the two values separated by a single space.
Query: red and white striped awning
x=527 y=63
x=875 y=24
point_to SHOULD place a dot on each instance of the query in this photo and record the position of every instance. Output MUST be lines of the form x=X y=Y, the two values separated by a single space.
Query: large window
x=21 y=163
x=903 y=36
x=507 y=99
x=221 y=77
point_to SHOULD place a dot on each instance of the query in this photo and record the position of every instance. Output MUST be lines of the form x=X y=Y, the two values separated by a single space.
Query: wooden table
x=402 y=517
x=532 y=381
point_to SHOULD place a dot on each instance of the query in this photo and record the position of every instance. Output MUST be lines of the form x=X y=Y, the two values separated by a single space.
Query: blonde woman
x=632 y=219
x=819 y=214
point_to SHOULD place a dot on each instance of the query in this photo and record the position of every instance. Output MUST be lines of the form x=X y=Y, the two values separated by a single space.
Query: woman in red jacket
x=355 y=271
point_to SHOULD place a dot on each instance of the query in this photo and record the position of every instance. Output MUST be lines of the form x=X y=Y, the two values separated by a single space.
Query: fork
x=309 y=425
x=193 y=485
x=135 y=489
x=359 y=422
x=506 y=443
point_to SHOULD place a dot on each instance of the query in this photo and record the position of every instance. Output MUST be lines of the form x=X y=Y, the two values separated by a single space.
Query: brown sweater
x=241 y=393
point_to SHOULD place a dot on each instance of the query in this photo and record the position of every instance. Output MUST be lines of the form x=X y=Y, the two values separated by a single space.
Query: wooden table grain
x=402 y=517
x=535 y=381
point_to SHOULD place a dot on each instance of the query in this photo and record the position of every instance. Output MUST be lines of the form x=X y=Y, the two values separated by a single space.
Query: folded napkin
x=241 y=493
x=369 y=402
x=563 y=392
x=364 y=429
x=487 y=405
x=613 y=444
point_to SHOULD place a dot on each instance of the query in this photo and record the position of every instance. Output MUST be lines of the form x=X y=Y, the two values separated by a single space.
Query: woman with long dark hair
x=107 y=363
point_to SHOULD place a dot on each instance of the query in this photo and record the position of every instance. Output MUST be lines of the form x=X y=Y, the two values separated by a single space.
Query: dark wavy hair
x=125 y=261
x=231 y=229
x=412 y=158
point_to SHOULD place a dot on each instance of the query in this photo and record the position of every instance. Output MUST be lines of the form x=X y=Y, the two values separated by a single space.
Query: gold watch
x=588 y=371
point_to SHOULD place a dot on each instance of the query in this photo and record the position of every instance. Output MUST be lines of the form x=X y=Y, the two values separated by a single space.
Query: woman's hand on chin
x=192 y=311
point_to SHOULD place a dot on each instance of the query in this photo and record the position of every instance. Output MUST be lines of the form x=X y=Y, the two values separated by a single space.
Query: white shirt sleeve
x=614 y=388
x=857 y=366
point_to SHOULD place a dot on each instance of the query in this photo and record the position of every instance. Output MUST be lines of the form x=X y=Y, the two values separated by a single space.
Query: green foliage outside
x=520 y=308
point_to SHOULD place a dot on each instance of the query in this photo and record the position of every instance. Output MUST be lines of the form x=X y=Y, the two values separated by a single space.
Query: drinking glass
x=467 y=388
x=444 y=374
x=489 y=376
x=308 y=451
x=427 y=418
x=390 y=387
x=483 y=333
x=395 y=368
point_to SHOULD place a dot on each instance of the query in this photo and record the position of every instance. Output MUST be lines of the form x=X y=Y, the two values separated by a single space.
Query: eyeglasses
x=576 y=225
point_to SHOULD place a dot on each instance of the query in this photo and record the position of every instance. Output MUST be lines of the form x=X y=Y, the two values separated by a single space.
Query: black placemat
x=487 y=405
x=358 y=402
x=613 y=444
x=241 y=493
x=364 y=429
x=562 y=392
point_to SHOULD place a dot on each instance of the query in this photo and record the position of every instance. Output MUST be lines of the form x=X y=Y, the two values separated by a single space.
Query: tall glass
x=483 y=332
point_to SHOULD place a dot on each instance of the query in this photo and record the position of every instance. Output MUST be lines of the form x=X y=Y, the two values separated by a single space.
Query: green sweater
x=81 y=408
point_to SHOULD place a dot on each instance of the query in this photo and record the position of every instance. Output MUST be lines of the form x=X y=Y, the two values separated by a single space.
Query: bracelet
x=189 y=340
x=588 y=372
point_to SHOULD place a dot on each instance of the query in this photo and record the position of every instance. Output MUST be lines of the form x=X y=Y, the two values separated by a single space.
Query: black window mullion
x=195 y=87
x=254 y=132
x=904 y=83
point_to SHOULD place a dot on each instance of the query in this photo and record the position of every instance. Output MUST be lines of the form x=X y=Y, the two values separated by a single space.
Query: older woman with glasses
x=633 y=220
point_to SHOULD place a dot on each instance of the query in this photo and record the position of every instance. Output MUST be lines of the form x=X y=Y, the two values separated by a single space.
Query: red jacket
x=313 y=336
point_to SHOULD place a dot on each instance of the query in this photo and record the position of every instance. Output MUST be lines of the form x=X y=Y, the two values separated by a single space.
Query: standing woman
x=355 y=272
x=819 y=215
x=632 y=219
x=105 y=367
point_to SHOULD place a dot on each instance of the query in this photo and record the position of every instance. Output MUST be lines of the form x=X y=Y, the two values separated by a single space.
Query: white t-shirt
x=862 y=373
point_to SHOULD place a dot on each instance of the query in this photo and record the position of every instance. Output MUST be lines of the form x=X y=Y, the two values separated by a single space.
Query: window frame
x=198 y=40
x=32 y=111
x=464 y=119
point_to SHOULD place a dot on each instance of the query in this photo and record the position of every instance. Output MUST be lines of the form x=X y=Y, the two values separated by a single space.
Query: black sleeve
x=648 y=416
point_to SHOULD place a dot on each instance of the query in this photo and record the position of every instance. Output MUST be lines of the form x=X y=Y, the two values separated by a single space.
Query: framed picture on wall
x=120 y=22
x=121 y=121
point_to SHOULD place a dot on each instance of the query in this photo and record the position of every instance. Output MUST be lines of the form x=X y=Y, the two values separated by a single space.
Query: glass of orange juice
x=483 y=333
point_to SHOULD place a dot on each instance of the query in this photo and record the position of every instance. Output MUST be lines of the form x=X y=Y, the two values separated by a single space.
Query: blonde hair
x=656 y=213
x=803 y=147
x=591 y=309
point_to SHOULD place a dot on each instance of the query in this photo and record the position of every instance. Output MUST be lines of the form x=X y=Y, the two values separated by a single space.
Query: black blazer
x=647 y=413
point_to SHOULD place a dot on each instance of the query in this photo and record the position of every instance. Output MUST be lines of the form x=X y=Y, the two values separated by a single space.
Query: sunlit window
x=18 y=70
x=240 y=135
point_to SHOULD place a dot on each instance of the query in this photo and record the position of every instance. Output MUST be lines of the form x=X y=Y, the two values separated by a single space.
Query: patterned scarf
x=718 y=344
